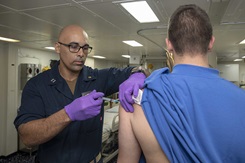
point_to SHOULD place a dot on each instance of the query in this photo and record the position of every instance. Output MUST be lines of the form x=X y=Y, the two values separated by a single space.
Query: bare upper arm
x=129 y=149
x=145 y=137
x=136 y=130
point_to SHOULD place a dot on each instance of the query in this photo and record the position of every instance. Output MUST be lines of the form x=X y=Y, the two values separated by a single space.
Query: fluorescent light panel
x=8 y=39
x=98 y=56
x=49 y=48
x=126 y=56
x=141 y=11
x=242 y=42
x=236 y=60
x=132 y=43
x=243 y=57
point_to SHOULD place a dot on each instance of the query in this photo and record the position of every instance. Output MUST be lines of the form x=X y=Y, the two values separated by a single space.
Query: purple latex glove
x=130 y=87
x=85 y=107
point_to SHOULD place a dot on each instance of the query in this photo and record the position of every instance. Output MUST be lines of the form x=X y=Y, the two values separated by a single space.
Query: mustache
x=80 y=60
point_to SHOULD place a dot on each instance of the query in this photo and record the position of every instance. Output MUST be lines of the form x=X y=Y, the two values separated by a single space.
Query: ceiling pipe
x=159 y=27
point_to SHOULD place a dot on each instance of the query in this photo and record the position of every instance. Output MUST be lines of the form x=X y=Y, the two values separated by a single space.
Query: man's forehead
x=72 y=36
x=73 y=31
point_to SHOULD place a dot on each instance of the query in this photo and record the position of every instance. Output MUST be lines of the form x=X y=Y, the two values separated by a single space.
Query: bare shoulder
x=129 y=149
x=145 y=137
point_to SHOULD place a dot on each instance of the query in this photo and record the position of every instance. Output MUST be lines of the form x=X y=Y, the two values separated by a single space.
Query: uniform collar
x=86 y=74
x=55 y=76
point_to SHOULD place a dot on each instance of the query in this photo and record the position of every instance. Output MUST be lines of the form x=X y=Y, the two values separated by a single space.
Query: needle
x=109 y=99
x=104 y=98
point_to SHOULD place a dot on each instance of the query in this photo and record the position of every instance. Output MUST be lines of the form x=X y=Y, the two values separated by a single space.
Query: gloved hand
x=85 y=107
x=130 y=87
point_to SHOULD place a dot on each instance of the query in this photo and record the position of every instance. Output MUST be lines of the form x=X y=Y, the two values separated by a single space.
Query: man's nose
x=81 y=53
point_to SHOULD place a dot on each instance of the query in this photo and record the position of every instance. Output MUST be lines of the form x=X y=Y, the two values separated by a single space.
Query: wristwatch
x=140 y=69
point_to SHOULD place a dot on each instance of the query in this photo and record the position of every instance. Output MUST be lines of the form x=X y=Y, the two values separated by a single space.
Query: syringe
x=110 y=100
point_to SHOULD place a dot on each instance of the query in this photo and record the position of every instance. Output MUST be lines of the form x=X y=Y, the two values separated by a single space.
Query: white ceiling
x=37 y=24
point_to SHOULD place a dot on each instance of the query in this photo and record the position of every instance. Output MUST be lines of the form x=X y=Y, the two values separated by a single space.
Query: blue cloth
x=195 y=115
x=142 y=158
x=48 y=93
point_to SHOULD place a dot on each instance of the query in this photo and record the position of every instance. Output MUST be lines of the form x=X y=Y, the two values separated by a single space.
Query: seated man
x=190 y=114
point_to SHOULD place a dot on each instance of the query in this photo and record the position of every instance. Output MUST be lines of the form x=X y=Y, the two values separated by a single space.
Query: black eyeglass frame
x=88 y=48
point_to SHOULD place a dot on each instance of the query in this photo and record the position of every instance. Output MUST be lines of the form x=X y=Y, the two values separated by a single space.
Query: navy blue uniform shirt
x=48 y=93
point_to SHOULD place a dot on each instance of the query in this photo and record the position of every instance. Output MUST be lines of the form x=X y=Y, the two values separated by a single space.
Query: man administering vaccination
x=58 y=115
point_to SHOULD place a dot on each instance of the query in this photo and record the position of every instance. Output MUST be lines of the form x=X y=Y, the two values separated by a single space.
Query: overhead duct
x=168 y=56
x=158 y=27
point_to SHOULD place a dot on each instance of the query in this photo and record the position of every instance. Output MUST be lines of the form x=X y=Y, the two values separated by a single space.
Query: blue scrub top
x=48 y=92
x=196 y=115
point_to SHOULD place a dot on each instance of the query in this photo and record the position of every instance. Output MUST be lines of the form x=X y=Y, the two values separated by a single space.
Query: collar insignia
x=53 y=80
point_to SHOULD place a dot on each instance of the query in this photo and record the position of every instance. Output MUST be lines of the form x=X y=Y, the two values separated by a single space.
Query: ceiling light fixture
x=8 y=39
x=98 y=56
x=242 y=42
x=243 y=56
x=49 y=48
x=132 y=43
x=236 y=60
x=126 y=56
x=141 y=11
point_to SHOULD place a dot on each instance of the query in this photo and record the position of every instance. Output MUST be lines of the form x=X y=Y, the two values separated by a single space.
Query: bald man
x=62 y=109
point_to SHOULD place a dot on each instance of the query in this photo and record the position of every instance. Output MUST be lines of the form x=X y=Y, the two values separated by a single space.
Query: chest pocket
x=54 y=103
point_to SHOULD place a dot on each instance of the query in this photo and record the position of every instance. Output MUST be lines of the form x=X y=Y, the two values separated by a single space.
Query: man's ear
x=169 y=45
x=211 y=43
x=57 y=47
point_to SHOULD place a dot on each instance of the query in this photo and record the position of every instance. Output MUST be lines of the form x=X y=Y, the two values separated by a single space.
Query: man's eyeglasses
x=74 y=47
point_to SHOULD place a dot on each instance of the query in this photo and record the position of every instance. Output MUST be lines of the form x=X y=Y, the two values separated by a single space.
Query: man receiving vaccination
x=190 y=114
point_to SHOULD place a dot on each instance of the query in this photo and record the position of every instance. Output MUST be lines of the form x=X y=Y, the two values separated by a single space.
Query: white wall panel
x=3 y=97
x=229 y=72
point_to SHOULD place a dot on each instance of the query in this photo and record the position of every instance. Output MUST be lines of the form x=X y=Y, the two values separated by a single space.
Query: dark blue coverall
x=48 y=92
